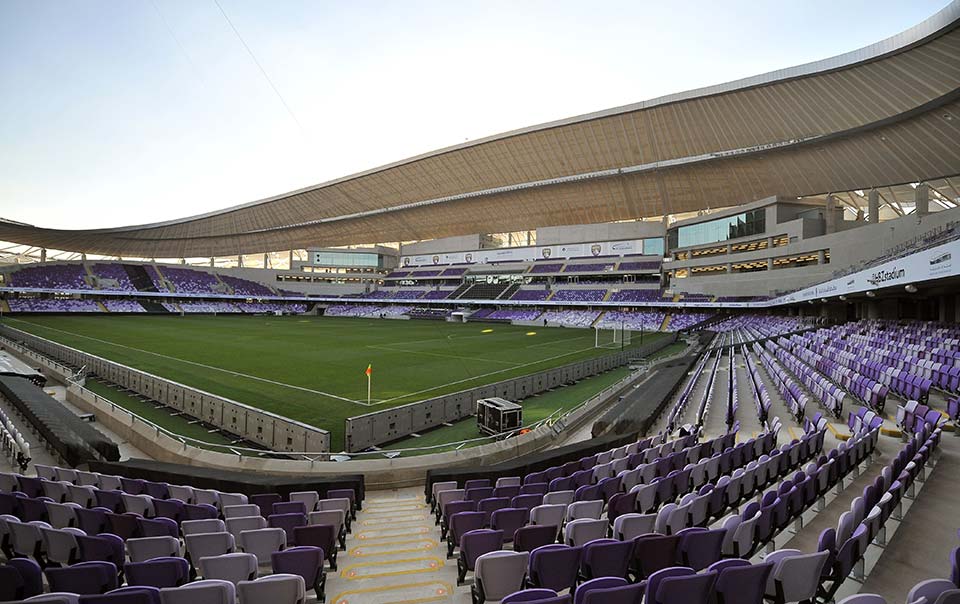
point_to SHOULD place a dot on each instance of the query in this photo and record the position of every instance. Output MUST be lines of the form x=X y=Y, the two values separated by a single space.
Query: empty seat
x=202 y=545
x=264 y=502
x=554 y=566
x=584 y=509
x=308 y=498
x=83 y=578
x=235 y=567
x=158 y=572
x=158 y=527
x=211 y=525
x=145 y=548
x=795 y=576
x=262 y=542
x=509 y=520
x=530 y=537
x=275 y=589
x=60 y=545
x=606 y=558
x=183 y=493
x=323 y=536
x=20 y=578
x=140 y=594
x=290 y=507
x=244 y=523
x=626 y=527
x=228 y=499
x=549 y=514
x=473 y=545
x=287 y=522
x=679 y=584
x=304 y=561
x=498 y=574
x=209 y=591
x=236 y=511
x=334 y=518
x=579 y=532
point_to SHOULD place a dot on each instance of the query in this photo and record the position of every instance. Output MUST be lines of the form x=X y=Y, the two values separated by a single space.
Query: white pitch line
x=551 y=342
x=476 y=377
x=231 y=372
x=437 y=354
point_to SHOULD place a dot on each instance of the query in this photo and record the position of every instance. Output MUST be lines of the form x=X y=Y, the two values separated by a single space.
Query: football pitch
x=312 y=369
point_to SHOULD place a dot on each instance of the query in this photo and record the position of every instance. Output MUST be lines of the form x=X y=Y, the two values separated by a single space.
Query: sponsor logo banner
x=530 y=254
x=934 y=263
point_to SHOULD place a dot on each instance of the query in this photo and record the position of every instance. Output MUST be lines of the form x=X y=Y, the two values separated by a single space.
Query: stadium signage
x=880 y=277
x=529 y=254
x=925 y=265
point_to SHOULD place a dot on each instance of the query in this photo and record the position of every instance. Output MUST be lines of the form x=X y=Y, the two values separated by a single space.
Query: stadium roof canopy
x=883 y=115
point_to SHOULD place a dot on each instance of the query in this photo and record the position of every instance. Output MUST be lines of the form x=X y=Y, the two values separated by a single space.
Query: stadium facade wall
x=378 y=427
x=269 y=430
x=856 y=243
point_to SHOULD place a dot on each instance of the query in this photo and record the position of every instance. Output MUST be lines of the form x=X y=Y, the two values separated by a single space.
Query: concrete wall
x=383 y=426
x=272 y=431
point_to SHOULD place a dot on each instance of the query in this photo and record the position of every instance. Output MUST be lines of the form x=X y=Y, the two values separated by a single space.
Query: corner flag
x=368 y=372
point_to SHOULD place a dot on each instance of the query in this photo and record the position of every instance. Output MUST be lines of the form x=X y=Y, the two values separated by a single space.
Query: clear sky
x=133 y=111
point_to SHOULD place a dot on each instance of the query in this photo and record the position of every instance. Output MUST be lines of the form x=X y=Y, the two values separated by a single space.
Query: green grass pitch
x=312 y=368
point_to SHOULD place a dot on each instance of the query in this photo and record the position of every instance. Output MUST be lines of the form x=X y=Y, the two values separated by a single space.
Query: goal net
x=611 y=337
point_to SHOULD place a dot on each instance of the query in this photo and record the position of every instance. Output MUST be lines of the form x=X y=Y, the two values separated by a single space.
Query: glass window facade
x=653 y=246
x=344 y=259
x=732 y=227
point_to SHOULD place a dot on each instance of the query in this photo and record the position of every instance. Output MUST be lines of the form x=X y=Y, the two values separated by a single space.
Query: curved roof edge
x=945 y=19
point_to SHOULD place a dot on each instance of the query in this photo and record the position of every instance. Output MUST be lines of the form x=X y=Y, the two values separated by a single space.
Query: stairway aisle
x=394 y=555
x=750 y=425
x=714 y=424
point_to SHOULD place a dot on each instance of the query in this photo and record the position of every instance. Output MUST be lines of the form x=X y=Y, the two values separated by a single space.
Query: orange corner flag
x=369 y=370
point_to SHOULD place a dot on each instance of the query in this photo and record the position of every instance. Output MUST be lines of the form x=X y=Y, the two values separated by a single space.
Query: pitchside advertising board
x=934 y=263
x=529 y=254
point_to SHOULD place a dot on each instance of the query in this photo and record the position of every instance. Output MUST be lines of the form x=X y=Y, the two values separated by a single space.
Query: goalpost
x=611 y=337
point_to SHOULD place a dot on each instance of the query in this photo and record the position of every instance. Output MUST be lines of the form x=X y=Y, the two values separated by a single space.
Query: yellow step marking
x=411 y=593
x=388 y=533
x=891 y=432
x=392 y=521
x=391 y=568
x=792 y=435
x=389 y=510
x=392 y=505
x=837 y=433
x=384 y=548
